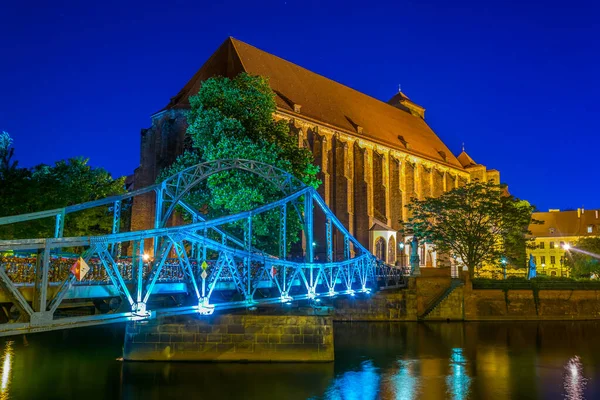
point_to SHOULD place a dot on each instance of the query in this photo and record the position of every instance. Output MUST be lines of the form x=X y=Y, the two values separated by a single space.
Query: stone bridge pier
x=237 y=337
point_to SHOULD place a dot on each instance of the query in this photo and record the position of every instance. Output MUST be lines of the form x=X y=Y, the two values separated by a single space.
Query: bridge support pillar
x=231 y=338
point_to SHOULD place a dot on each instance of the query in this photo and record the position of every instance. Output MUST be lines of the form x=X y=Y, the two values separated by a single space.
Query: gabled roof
x=465 y=160
x=322 y=100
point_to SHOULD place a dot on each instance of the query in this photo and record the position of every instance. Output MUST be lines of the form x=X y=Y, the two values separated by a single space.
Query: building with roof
x=374 y=156
x=560 y=228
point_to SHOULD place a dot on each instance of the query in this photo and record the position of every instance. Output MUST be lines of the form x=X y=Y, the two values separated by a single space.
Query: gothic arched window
x=391 y=250
x=380 y=248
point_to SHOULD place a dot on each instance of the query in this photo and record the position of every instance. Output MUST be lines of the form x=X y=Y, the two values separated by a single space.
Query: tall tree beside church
x=233 y=118
x=45 y=187
x=478 y=223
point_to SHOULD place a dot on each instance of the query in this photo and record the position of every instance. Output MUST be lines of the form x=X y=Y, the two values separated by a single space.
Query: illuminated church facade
x=374 y=157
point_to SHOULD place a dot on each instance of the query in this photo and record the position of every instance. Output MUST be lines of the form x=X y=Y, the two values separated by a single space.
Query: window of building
x=562 y=244
x=380 y=248
x=391 y=250
x=553 y=273
x=551 y=245
x=541 y=245
x=590 y=228
x=535 y=260
x=552 y=260
x=543 y=259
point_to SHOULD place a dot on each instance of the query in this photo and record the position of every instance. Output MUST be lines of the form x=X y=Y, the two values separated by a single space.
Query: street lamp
x=561 y=265
x=504 y=266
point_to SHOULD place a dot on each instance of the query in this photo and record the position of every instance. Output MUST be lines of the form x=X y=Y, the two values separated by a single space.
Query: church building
x=374 y=157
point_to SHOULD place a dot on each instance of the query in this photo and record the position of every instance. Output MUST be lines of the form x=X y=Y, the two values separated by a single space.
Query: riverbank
x=436 y=296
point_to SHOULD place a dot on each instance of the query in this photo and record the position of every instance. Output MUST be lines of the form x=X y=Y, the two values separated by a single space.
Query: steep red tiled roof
x=322 y=100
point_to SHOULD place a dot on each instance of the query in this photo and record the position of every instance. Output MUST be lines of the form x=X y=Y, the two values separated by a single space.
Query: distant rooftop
x=566 y=223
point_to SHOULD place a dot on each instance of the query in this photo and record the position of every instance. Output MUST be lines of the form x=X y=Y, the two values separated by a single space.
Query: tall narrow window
x=391 y=250
x=551 y=245
x=541 y=245
x=380 y=248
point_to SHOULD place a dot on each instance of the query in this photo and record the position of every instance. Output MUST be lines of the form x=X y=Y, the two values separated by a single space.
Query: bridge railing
x=216 y=269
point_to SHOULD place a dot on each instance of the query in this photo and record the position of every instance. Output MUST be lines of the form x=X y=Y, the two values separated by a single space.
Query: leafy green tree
x=233 y=118
x=479 y=223
x=13 y=180
x=46 y=187
x=6 y=154
x=581 y=262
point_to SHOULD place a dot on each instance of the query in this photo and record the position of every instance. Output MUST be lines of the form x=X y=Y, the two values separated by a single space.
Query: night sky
x=516 y=81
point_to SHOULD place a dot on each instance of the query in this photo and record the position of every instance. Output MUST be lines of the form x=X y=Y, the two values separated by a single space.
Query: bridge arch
x=172 y=190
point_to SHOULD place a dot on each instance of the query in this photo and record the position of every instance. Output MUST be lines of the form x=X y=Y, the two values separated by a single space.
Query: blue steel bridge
x=201 y=263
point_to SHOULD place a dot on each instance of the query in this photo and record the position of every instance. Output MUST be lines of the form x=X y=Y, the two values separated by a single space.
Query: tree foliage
x=584 y=265
x=478 y=224
x=233 y=118
x=45 y=187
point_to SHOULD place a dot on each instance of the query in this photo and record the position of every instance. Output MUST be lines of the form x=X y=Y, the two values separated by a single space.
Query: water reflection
x=458 y=381
x=7 y=358
x=373 y=361
x=574 y=382
x=405 y=381
x=356 y=385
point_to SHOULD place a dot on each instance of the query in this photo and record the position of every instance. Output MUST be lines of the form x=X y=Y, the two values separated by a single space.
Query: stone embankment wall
x=251 y=338
x=466 y=304
x=392 y=305
x=451 y=308
x=530 y=305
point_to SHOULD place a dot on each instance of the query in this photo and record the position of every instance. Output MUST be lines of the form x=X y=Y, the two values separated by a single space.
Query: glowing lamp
x=567 y=246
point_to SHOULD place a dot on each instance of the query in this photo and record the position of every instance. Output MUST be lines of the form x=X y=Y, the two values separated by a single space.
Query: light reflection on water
x=356 y=385
x=574 y=382
x=458 y=381
x=7 y=360
x=405 y=382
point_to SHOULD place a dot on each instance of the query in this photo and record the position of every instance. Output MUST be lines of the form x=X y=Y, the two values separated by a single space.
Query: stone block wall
x=241 y=338
x=389 y=305
x=527 y=305
x=431 y=286
x=467 y=304
x=451 y=308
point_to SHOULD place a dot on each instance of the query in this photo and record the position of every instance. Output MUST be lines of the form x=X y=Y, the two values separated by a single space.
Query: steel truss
x=180 y=258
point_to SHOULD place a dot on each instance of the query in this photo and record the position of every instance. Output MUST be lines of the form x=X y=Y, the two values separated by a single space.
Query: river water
x=524 y=360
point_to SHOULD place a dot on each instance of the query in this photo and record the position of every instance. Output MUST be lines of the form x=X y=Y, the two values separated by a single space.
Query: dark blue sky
x=516 y=81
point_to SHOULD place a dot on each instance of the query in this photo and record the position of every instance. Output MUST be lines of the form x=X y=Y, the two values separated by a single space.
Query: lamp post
x=561 y=265
x=504 y=266
x=401 y=247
